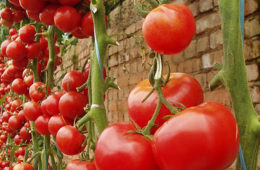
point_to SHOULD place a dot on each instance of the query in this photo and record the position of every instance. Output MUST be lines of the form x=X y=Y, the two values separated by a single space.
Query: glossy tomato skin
x=71 y=105
x=23 y=166
x=47 y=14
x=72 y=80
x=52 y=104
x=27 y=33
x=4 y=45
x=80 y=165
x=16 y=50
x=37 y=91
x=116 y=149
x=33 y=15
x=55 y=123
x=169 y=28
x=32 y=5
x=32 y=110
x=181 y=88
x=25 y=135
x=14 y=123
x=19 y=86
x=69 y=140
x=67 y=19
x=41 y=125
x=202 y=137
x=33 y=50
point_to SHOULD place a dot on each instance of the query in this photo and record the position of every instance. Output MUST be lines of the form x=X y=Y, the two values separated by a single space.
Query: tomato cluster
x=68 y=15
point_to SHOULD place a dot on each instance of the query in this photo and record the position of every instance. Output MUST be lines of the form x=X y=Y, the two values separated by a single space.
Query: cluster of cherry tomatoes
x=68 y=15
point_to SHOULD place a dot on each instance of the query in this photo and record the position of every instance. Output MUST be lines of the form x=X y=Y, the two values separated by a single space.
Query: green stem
x=151 y=123
x=52 y=57
x=97 y=111
x=46 y=146
x=234 y=75
x=36 y=161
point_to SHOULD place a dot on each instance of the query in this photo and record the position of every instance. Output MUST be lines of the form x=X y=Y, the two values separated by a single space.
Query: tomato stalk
x=235 y=79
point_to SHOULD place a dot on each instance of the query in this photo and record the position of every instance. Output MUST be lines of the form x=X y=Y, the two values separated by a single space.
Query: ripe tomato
x=51 y=104
x=56 y=122
x=33 y=15
x=24 y=133
x=15 y=105
x=32 y=111
x=202 y=137
x=43 y=43
x=15 y=2
x=80 y=165
x=17 y=139
x=69 y=2
x=71 y=105
x=87 y=24
x=33 y=50
x=21 y=63
x=169 y=28
x=41 y=125
x=21 y=116
x=27 y=33
x=69 y=140
x=23 y=166
x=116 y=149
x=4 y=45
x=67 y=19
x=47 y=14
x=181 y=88
x=14 y=123
x=6 y=14
x=19 y=86
x=32 y=5
x=16 y=50
x=18 y=15
x=78 y=33
x=72 y=80
x=6 y=115
x=37 y=91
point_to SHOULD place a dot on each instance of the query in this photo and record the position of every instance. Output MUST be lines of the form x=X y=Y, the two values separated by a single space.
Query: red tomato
x=78 y=33
x=80 y=165
x=18 y=15
x=47 y=14
x=14 y=123
x=43 y=43
x=27 y=33
x=21 y=116
x=69 y=2
x=116 y=149
x=25 y=135
x=32 y=111
x=28 y=80
x=56 y=122
x=20 y=63
x=87 y=24
x=202 y=137
x=52 y=103
x=17 y=139
x=6 y=115
x=169 y=28
x=69 y=140
x=16 y=50
x=33 y=15
x=71 y=105
x=67 y=19
x=4 y=45
x=86 y=71
x=72 y=80
x=6 y=14
x=6 y=23
x=19 y=86
x=23 y=166
x=181 y=88
x=33 y=50
x=41 y=125
x=32 y=5
x=37 y=91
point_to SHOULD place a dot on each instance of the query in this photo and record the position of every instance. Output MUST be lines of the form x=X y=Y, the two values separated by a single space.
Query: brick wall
x=127 y=63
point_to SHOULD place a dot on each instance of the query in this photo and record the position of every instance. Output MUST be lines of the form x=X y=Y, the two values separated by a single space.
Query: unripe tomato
x=168 y=29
